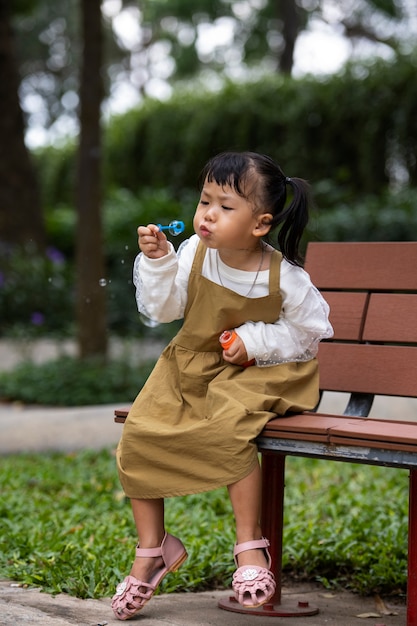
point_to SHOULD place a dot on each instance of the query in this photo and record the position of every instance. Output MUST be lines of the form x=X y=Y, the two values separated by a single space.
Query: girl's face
x=224 y=219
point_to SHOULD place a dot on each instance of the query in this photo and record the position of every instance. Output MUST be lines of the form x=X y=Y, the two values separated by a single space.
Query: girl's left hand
x=236 y=354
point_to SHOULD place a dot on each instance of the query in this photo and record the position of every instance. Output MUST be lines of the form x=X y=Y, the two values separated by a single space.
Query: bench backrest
x=372 y=292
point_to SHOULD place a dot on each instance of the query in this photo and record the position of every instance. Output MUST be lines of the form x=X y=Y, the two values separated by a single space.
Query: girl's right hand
x=152 y=242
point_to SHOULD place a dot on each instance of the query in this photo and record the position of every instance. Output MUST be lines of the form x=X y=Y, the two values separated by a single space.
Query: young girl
x=193 y=426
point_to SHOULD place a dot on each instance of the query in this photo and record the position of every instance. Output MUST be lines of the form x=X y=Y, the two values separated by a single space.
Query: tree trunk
x=91 y=291
x=21 y=219
x=291 y=26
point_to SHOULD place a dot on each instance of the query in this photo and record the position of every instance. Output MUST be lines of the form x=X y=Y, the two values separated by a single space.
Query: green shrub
x=351 y=128
x=357 y=128
x=389 y=217
x=69 y=382
x=36 y=291
x=57 y=170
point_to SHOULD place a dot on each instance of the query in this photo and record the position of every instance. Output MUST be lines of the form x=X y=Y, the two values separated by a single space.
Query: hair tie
x=288 y=180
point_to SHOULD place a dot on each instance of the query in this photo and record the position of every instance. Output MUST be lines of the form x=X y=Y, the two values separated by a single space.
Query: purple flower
x=55 y=255
x=37 y=318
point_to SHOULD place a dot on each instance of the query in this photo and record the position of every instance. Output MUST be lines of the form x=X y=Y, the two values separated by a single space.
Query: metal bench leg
x=272 y=521
x=412 y=552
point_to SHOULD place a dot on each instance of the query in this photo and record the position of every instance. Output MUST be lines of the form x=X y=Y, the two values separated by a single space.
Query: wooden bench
x=372 y=292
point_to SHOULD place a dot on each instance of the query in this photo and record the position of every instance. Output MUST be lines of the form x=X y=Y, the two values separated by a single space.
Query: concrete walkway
x=38 y=429
x=29 y=606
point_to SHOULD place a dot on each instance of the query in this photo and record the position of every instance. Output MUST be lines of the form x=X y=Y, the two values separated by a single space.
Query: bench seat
x=336 y=431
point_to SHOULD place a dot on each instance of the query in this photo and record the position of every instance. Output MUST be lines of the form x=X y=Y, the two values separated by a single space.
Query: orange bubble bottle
x=226 y=339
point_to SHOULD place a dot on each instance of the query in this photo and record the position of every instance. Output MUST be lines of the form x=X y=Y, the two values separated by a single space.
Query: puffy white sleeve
x=161 y=284
x=303 y=322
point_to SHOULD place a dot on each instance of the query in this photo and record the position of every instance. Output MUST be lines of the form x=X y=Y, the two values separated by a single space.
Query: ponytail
x=293 y=220
x=271 y=197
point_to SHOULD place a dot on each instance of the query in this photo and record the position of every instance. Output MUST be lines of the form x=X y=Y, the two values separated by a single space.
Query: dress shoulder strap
x=200 y=253
x=275 y=272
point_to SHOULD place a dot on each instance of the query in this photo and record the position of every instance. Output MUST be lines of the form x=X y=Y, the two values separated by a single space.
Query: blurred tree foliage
x=149 y=42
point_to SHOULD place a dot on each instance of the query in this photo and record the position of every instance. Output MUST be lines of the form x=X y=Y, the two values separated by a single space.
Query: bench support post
x=412 y=551
x=272 y=513
x=272 y=522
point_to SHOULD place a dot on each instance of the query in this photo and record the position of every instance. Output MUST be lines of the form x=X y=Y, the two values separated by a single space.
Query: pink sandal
x=132 y=594
x=253 y=585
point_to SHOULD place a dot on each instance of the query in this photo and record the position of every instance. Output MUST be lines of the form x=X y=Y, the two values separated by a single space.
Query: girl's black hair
x=256 y=175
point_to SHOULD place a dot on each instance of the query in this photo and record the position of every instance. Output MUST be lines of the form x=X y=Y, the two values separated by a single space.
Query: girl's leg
x=157 y=555
x=149 y=521
x=245 y=496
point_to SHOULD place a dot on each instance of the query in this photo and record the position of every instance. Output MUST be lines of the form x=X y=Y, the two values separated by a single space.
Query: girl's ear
x=263 y=225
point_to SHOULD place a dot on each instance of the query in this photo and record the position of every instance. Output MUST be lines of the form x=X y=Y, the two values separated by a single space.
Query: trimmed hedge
x=357 y=129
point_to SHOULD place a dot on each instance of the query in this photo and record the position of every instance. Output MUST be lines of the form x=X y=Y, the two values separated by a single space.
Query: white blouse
x=161 y=295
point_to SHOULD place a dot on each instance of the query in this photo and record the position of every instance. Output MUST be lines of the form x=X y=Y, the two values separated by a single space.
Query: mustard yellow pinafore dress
x=192 y=426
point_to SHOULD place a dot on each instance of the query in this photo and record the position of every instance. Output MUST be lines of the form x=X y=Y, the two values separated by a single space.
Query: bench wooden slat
x=391 y=317
x=397 y=446
x=347 y=310
x=120 y=415
x=340 y=430
x=378 y=430
x=390 y=435
x=296 y=426
x=365 y=428
x=302 y=423
x=368 y=368
x=362 y=265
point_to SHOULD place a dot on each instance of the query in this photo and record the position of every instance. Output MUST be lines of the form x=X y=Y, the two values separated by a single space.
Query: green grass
x=65 y=526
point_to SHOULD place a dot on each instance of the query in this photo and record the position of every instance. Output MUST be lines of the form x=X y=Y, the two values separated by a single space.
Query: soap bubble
x=147 y=321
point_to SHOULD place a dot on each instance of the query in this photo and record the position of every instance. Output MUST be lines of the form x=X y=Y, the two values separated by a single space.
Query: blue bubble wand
x=175 y=227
